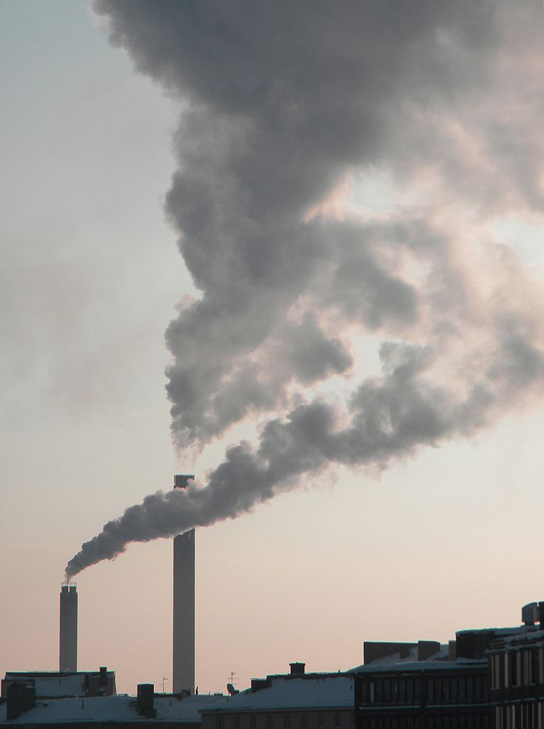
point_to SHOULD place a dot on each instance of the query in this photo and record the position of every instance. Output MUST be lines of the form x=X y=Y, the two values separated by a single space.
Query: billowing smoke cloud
x=285 y=105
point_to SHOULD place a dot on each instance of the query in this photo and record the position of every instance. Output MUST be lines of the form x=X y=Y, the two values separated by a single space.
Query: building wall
x=139 y=724
x=432 y=699
x=517 y=686
x=280 y=719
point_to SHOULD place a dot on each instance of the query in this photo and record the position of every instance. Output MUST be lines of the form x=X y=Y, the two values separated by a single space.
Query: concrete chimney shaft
x=184 y=606
x=68 y=628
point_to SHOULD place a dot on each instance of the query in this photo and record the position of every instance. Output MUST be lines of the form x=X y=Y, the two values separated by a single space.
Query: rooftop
x=112 y=709
x=310 y=691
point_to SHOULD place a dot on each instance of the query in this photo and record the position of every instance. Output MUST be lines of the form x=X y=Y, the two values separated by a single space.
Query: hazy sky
x=442 y=540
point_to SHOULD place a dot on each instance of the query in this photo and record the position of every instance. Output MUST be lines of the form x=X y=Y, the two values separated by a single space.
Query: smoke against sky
x=283 y=104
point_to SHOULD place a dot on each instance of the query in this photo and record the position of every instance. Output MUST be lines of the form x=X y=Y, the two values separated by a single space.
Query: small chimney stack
x=68 y=628
x=298 y=669
x=145 y=700
x=530 y=614
x=20 y=698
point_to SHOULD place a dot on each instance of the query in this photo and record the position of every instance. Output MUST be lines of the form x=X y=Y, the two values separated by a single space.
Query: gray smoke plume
x=285 y=104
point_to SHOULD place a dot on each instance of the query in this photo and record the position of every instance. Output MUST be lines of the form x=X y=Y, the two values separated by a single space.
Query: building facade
x=424 y=695
x=517 y=680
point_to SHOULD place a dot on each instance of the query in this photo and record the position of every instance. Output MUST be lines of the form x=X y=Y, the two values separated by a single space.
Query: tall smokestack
x=184 y=606
x=68 y=628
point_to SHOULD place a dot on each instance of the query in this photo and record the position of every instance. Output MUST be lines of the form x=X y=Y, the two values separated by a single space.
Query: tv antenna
x=231 y=685
x=164 y=680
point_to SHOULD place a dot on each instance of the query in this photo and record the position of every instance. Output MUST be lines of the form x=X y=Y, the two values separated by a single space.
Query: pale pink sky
x=91 y=277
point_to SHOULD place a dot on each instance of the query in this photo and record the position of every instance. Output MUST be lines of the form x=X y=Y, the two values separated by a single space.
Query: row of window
x=520 y=716
x=457 y=722
x=391 y=691
x=517 y=668
x=281 y=721
x=456 y=690
x=409 y=691
x=431 y=722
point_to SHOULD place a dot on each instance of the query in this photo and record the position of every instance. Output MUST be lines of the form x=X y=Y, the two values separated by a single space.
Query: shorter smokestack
x=68 y=628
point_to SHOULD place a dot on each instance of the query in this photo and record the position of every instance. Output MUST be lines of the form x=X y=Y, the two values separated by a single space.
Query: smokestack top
x=181 y=480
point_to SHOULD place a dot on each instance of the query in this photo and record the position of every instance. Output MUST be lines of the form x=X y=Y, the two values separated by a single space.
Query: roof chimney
x=145 y=700
x=298 y=669
x=530 y=614
x=21 y=698
x=426 y=649
x=260 y=683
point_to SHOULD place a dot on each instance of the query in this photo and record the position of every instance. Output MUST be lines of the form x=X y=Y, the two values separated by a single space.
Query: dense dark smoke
x=285 y=105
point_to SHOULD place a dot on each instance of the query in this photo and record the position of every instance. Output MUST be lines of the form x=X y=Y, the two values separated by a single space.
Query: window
x=495 y=670
x=470 y=690
x=387 y=692
x=287 y=721
x=221 y=722
x=337 y=720
x=269 y=721
x=402 y=692
x=527 y=668
x=252 y=722
x=453 y=690
x=321 y=720
x=409 y=691
x=236 y=722
x=445 y=691
x=417 y=691
x=304 y=721
x=478 y=690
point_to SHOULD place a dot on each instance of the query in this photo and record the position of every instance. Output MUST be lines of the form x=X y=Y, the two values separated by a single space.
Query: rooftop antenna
x=232 y=691
x=164 y=680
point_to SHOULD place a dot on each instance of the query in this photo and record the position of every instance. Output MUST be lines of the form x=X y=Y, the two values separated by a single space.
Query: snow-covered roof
x=111 y=709
x=533 y=639
x=500 y=631
x=302 y=692
x=396 y=658
x=53 y=684
x=401 y=666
